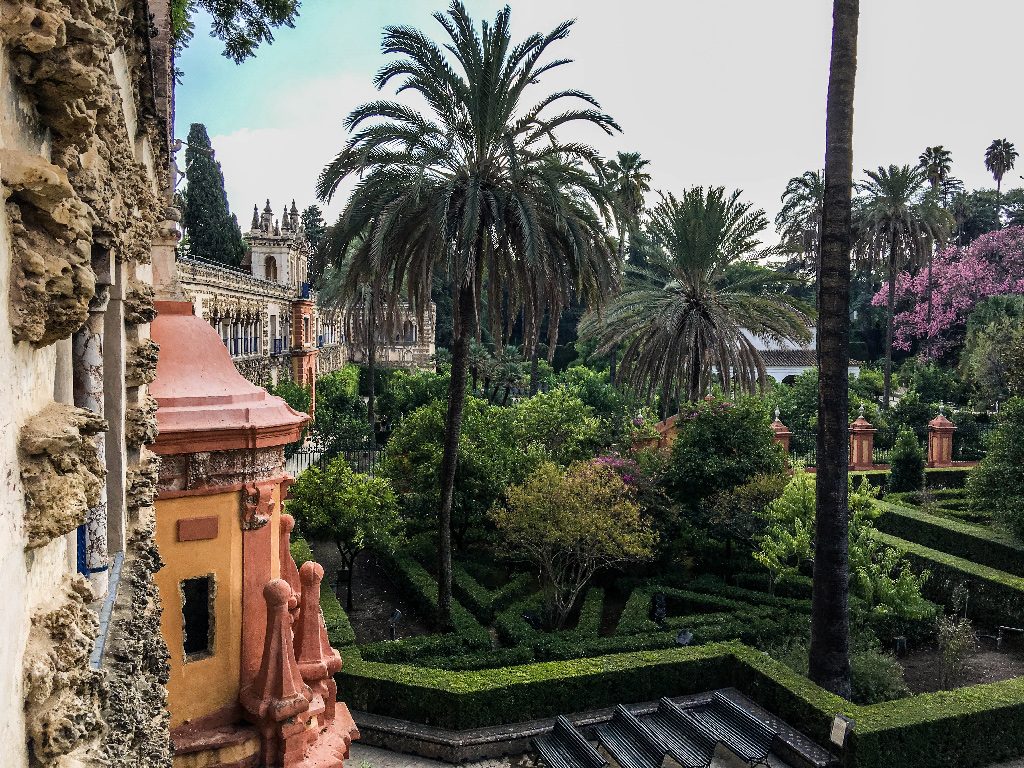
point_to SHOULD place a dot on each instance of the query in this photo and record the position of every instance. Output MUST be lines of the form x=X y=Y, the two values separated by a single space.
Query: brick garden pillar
x=782 y=434
x=940 y=441
x=862 y=443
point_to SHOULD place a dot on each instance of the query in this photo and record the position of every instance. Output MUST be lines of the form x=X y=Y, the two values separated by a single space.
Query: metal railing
x=361 y=459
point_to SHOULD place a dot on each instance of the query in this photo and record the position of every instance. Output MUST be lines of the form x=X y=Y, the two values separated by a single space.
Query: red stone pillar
x=318 y=662
x=862 y=443
x=940 y=441
x=304 y=349
x=781 y=435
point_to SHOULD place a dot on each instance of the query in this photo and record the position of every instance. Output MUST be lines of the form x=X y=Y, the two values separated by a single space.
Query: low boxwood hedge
x=976 y=543
x=994 y=597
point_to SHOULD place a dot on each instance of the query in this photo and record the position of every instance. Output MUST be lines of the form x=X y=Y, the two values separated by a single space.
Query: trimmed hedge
x=976 y=543
x=475 y=699
x=339 y=630
x=482 y=602
x=995 y=597
x=420 y=588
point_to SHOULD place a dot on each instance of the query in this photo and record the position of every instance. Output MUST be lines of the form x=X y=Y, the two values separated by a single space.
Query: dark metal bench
x=747 y=736
x=565 y=747
x=629 y=743
x=689 y=744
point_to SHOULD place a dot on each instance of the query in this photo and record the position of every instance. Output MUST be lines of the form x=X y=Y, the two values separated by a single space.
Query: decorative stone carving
x=140 y=424
x=257 y=505
x=138 y=304
x=142 y=482
x=60 y=469
x=140 y=367
x=191 y=471
x=63 y=695
x=52 y=279
x=136 y=663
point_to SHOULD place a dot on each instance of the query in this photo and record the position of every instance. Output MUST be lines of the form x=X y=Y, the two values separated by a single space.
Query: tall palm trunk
x=371 y=365
x=890 y=313
x=829 y=662
x=464 y=329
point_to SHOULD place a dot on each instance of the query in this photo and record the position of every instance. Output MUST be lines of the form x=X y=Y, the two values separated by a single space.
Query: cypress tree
x=213 y=231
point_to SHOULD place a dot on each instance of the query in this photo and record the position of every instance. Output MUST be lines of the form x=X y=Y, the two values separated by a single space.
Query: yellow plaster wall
x=198 y=688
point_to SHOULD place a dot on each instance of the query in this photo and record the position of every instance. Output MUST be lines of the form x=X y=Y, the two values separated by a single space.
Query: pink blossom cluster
x=992 y=265
x=627 y=469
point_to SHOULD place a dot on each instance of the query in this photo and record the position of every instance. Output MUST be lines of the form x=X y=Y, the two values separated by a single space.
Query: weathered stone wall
x=84 y=170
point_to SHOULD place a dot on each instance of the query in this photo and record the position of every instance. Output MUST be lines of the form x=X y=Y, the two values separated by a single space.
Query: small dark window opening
x=197 y=613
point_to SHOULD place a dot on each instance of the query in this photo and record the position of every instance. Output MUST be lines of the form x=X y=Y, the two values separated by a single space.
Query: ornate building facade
x=268 y=317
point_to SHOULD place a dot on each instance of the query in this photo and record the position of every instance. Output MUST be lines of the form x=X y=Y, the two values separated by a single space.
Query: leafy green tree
x=298 y=398
x=879 y=575
x=405 y=391
x=480 y=186
x=902 y=221
x=213 y=230
x=559 y=424
x=907 y=462
x=996 y=486
x=491 y=458
x=569 y=523
x=242 y=25
x=798 y=221
x=353 y=510
x=315 y=230
x=1000 y=157
x=340 y=420
x=720 y=445
x=684 y=318
x=992 y=361
x=975 y=214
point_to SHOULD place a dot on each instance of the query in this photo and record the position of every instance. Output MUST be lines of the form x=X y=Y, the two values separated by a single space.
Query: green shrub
x=997 y=484
x=339 y=629
x=876 y=677
x=906 y=462
x=996 y=597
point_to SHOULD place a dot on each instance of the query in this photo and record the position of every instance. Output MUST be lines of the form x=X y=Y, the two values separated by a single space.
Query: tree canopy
x=213 y=231
x=242 y=25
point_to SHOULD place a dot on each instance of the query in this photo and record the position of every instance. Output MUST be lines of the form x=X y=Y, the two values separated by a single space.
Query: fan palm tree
x=477 y=185
x=901 y=219
x=689 y=307
x=628 y=182
x=937 y=163
x=798 y=222
x=1000 y=157
x=829 y=657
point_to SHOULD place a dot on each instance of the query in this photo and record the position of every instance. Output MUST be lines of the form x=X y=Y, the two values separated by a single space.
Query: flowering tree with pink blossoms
x=992 y=265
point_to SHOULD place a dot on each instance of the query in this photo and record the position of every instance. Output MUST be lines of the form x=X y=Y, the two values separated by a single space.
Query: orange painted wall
x=200 y=687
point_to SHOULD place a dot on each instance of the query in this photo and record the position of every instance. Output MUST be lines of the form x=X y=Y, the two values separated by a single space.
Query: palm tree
x=937 y=163
x=829 y=657
x=798 y=222
x=901 y=219
x=690 y=305
x=478 y=186
x=1000 y=158
x=629 y=182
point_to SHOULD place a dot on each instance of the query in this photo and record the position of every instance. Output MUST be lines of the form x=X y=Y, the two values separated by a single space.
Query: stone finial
x=289 y=572
x=255 y=217
x=278 y=692
x=285 y=220
x=860 y=411
x=781 y=433
x=318 y=662
x=277 y=227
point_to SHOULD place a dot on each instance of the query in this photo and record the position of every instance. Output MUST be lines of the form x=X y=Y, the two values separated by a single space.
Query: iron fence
x=361 y=458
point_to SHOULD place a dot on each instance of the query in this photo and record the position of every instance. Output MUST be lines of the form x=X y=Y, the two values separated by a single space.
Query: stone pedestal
x=781 y=433
x=862 y=443
x=940 y=441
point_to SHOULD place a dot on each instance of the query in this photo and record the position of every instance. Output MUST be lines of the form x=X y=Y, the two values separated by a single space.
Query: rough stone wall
x=84 y=170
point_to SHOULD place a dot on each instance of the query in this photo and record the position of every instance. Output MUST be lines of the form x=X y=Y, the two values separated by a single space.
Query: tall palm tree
x=1000 y=157
x=937 y=163
x=829 y=657
x=629 y=182
x=689 y=306
x=477 y=185
x=901 y=219
x=798 y=222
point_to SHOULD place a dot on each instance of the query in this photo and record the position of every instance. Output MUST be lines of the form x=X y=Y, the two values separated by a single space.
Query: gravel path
x=371 y=757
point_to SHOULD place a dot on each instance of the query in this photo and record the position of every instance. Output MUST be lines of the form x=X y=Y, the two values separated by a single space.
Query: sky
x=725 y=93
